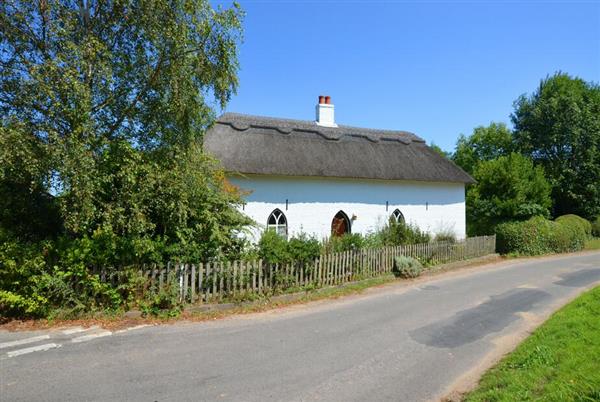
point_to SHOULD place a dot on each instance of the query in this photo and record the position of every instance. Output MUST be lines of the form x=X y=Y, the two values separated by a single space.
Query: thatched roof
x=269 y=146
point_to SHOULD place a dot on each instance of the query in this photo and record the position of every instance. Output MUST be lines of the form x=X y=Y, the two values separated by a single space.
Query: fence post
x=193 y=283
x=200 y=283
x=260 y=275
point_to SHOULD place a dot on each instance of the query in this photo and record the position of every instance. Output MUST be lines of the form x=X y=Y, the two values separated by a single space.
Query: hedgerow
x=539 y=235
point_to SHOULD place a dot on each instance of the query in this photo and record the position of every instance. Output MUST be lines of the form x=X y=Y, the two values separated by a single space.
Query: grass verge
x=592 y=244
x=560 y=361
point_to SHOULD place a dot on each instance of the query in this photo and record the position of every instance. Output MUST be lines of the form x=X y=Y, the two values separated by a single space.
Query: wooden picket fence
x=218 y=281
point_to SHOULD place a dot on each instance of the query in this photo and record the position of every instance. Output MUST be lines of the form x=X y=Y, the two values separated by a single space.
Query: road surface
x=411 y=341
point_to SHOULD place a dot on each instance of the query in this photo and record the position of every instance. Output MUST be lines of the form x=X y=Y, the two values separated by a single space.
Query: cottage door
x=340 y=224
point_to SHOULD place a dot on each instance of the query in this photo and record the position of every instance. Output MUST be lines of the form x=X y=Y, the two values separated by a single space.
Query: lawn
x=560 y=361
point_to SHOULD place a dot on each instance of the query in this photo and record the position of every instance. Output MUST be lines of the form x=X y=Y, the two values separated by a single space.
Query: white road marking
x=75 y=330
x=89 y=337
x=132 y=328
x=39 y=348
x=23 y=341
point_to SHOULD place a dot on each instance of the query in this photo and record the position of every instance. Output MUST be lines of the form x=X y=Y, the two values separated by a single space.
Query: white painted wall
x=313 y=202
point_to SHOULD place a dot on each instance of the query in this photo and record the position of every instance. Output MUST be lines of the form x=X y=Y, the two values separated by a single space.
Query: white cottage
x=321 y=178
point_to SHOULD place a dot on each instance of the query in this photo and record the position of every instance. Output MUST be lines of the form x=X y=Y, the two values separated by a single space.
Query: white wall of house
x=313 y=202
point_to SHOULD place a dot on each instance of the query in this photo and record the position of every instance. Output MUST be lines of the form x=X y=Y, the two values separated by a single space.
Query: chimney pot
x=325 y=115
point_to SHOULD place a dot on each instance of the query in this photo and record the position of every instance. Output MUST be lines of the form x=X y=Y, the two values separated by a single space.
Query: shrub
x=407 y=267
x=596 y=227
x=346 y=242
x=304 y=248
x=162 y=302
x=577 y=222
x=540 y=236
x=38 y=280
x=273 y=248
x=399 y=233
x=445 y=236
x=276 y=249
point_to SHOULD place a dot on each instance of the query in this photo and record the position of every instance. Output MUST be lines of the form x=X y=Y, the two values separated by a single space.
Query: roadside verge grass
x=592 y=244
x=560 y=361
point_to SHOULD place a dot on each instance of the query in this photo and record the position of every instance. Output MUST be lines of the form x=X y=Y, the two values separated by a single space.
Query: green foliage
x=486 y=143
x=558 y=362
x=508 y=188
x=399 y=233
x=407 y=267
x=346 y=242
x=538 y=236
x=582 y=225
x=275 y=249
x=445 y=236
x=103 y=106
x=163 y=302
x=592 y=244
x=102 y=118
x=558 y=126
x=596 y=226
x=440 y=151
x=303 y=248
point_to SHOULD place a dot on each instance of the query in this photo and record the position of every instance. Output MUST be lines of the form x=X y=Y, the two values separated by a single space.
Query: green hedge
x=539 y=235
x=576 y=222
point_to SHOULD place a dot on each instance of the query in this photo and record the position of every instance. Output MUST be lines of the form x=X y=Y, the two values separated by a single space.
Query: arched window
x=397 y=216
x=277 y=222
x=340 y=224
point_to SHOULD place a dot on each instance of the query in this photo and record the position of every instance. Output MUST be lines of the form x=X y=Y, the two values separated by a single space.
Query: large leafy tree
x=508 y=188
x=103 y=104
x=558 y=126
x=485 y=143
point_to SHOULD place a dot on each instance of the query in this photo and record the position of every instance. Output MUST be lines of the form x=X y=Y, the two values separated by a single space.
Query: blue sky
x=435 y=68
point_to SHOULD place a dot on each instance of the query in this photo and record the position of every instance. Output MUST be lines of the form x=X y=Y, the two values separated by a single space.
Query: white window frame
x=280 y=225
x=397 y=216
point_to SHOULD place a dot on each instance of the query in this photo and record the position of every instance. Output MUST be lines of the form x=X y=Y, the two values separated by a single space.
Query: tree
x=440 y=151
x=558 y=126
x=108 y=102
x=508 y=188
x=486 y=143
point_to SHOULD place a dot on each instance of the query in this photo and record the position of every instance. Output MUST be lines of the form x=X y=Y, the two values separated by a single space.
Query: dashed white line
x=89 y=337
x=39 y=348
x=23 y=341
x=132 y=328
x=75 y=330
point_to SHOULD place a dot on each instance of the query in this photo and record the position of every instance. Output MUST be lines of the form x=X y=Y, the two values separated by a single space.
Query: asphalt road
x=407 y=342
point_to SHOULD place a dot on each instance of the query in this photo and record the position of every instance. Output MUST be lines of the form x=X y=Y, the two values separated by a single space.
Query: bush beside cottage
x=539 y=235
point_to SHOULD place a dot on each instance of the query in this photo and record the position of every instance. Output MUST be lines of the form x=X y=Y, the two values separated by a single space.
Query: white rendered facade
x=309 y=204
